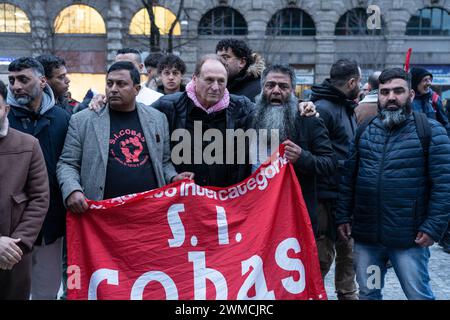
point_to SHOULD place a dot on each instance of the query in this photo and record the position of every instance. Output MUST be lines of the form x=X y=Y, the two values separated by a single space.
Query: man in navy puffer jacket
x=396 y=206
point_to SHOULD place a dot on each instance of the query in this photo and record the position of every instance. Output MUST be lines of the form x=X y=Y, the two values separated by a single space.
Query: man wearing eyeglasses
x=394 y=199
x=244 y=67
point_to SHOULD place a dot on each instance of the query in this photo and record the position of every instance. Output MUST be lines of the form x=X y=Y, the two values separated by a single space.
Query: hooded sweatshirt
x=338 y=114
x=49 y=125
x=48 y=101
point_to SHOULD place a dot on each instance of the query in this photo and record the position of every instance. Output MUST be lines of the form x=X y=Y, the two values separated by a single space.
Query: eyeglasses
x=397 y=91
x=282 y=85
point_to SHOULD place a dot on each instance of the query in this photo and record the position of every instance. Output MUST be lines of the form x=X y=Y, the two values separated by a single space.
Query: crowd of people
x=373 y=161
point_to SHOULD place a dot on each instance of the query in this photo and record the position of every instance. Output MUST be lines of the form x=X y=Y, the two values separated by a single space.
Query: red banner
x=249 y=241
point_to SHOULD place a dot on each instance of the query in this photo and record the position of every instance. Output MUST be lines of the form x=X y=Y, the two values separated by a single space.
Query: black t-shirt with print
x=129 y=169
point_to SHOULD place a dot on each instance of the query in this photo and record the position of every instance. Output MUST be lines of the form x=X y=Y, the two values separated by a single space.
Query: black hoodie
x=337 y=111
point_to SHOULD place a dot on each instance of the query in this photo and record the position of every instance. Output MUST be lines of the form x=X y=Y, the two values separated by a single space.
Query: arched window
x=13 y=19
x=79 y=18
x=140 y=24
x=429 y=22
x=222 y=21
x=354 y=23
x=291 y=22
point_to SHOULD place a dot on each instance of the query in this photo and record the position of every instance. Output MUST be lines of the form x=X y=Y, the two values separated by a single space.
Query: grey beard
x=28 y=99
x=24 y=101
x=393 y=118
x=3 y=127
x=280 y=118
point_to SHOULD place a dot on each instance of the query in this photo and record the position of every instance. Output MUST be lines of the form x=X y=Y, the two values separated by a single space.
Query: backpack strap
x=424 y=132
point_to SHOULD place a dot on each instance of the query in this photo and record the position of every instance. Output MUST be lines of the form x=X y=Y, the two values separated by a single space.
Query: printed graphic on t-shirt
x=126 y=147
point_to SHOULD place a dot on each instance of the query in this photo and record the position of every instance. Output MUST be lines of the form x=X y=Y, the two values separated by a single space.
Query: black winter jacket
x=388 y=197
x=239 y=115
x=246 y=85
x=338 y=115
x=316 y=159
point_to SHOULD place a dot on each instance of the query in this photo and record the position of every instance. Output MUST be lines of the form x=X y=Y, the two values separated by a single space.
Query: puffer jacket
x=388 y=196
x=248 y=82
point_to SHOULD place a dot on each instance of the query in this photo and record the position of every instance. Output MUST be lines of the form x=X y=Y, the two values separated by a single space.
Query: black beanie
x=417 y=74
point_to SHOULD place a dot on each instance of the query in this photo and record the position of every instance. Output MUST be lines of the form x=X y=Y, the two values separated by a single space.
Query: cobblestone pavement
x=439 y=268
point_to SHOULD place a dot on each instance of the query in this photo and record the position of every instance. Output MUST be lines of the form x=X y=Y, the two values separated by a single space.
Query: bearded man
x=395 y=192
x=307 y=145
x=33 y=112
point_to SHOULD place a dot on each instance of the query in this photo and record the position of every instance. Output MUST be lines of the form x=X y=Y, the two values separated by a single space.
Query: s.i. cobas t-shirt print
x=130 y=168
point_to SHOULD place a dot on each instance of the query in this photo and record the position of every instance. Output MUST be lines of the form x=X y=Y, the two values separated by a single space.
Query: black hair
x=395 y=73
x=342 y=71
x=26 y=63
x=3 y=90
x=172 y=61
x=239 y=48
x=153 y=59
x=280 y=68
x=373 y=80
x=130 y=50
x=50 y=62
x=126 y=65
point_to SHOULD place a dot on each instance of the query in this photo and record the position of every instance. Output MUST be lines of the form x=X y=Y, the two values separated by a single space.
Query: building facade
x=307 y=34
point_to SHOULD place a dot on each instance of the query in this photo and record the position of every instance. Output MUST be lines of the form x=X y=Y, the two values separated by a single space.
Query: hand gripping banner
x=252 y=240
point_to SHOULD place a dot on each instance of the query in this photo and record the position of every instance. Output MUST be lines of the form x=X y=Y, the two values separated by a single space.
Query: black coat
x=50 y=130
x=246 y=85
x=338 y=115
x=248 y=82
x=316 y=159
x=238 y=115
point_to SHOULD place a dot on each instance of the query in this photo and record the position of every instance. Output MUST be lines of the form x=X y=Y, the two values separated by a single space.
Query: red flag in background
x=408 y=59
x=183 y=241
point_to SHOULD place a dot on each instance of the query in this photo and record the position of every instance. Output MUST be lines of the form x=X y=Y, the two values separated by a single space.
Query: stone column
x=396 y=41
x=189 y=35
x=325 y=56
x=41 y=28
x=114 y=34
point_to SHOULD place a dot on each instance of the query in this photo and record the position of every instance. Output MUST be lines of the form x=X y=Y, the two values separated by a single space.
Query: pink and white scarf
x=220 y=105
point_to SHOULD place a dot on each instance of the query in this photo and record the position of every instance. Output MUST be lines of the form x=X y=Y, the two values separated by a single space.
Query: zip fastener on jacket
x=380 y=214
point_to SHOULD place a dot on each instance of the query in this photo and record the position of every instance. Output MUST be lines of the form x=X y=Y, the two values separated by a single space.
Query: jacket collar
x=20 y=112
